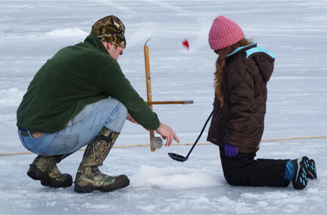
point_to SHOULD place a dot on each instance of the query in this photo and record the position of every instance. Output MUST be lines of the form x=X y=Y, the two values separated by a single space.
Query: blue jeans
x=80 y=130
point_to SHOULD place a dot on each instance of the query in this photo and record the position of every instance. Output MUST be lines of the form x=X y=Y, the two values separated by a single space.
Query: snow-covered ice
x=32 y=31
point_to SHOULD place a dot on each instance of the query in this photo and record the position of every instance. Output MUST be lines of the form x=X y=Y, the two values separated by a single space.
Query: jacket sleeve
x=240 y=88
x=115 y=84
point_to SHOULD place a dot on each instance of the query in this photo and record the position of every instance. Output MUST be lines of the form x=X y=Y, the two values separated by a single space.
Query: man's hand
x=167 y=132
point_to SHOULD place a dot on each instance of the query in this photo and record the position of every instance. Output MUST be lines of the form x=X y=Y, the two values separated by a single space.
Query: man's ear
x=109 y=45
x=106 y=45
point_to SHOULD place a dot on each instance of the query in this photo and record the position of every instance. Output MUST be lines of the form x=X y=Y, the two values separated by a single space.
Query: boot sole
x=300 y=181
x=91 y=188
x=312 y=170
x=310 y=167
x=36 y=174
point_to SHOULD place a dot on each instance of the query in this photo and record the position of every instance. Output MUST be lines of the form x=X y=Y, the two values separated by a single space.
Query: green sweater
x=73 y=78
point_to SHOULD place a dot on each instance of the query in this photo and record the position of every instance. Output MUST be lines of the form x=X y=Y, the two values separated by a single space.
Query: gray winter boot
x=44 y=168
x=88 y=176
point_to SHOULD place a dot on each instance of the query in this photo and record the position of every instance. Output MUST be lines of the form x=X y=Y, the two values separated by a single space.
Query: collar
x=242 y=48
x=96 y=43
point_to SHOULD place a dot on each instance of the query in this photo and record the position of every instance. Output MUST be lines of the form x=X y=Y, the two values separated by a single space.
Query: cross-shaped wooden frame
x=149 y=90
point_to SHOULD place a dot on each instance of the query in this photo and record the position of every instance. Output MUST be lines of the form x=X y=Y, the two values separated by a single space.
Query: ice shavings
x=173 y=178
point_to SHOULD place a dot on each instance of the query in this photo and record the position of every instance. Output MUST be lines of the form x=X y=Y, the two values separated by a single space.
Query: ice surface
x=32 y=31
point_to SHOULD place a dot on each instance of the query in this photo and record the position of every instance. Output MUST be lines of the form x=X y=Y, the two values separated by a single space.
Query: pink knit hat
x=224 y=32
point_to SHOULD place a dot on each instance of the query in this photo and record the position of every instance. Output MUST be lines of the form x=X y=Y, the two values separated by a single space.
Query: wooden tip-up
x=169 y=102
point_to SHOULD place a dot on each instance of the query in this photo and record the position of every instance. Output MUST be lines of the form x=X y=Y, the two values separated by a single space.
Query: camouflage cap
x=110 y=29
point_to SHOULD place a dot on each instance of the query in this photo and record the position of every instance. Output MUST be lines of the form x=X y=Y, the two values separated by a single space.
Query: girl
x=242 y=72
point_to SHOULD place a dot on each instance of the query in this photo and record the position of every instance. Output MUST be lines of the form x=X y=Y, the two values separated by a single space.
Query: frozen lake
x=32 y=31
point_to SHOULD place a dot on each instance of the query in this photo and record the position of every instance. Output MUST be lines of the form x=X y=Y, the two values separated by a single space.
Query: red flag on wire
x=186 y=44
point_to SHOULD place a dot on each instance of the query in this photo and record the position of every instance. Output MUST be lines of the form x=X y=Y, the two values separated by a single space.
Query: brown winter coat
x=240 y=121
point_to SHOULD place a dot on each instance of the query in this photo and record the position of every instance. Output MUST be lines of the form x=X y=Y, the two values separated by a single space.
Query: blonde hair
x=220 y=85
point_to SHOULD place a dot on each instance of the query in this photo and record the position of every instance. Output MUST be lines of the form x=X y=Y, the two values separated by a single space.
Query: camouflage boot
x=88 y=176
x=44 y=168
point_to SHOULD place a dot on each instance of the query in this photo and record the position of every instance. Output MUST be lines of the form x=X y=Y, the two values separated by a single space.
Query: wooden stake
x=169 y=102
x=148 y=85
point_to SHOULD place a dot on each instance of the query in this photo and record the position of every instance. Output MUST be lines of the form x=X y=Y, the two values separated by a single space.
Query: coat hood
x=263 y=58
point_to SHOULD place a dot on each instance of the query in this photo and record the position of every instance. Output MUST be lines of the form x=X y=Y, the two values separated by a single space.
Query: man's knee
x=117 y=108
x=118 y=115
x=121 y=110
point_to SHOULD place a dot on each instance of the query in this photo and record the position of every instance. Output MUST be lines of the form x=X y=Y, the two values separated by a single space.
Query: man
x=80 y=97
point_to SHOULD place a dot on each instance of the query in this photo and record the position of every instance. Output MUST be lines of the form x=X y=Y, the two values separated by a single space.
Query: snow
x=32 y=31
